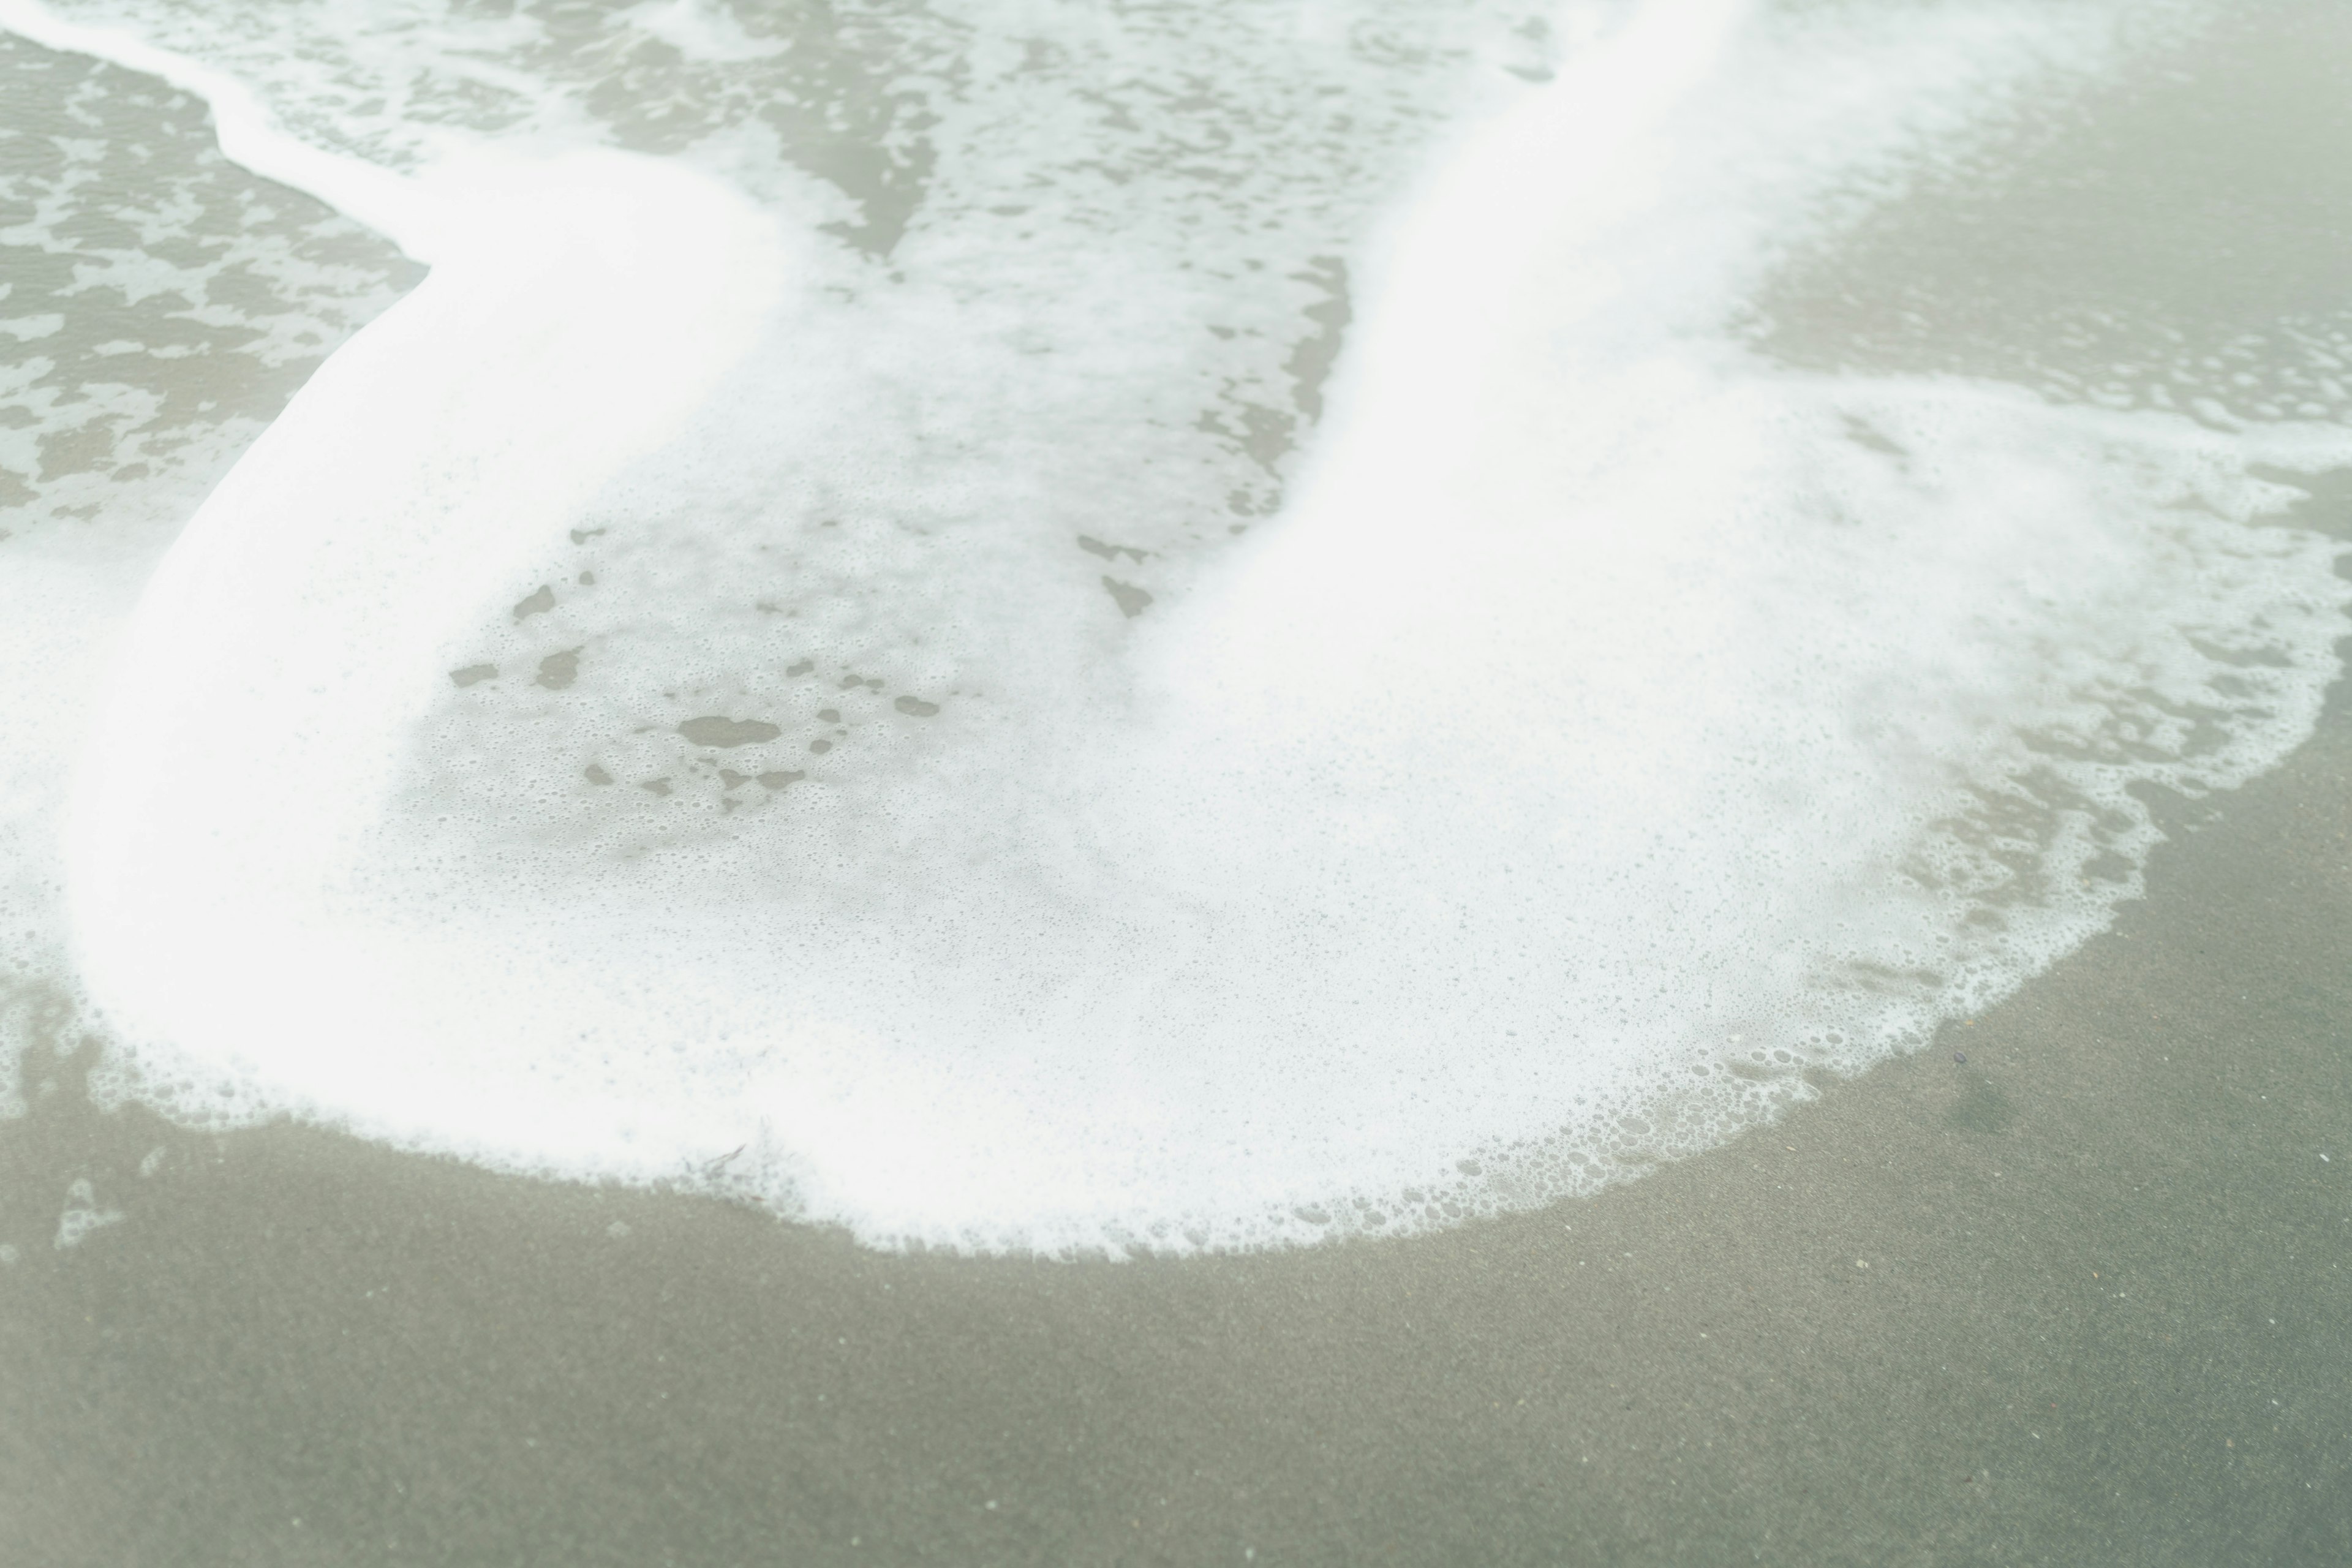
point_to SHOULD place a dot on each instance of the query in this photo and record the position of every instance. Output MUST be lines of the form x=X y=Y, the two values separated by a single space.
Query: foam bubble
x=701 y=31
x=1611 y=726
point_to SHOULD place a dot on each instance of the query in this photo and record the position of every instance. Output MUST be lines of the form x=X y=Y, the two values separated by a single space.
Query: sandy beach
x=2071 y=1286
x=2083 y=1297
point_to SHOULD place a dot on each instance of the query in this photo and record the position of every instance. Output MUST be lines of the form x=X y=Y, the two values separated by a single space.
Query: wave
x=638 y=714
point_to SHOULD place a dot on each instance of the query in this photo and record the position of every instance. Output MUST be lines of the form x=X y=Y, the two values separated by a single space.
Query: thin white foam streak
x=248 y=134
x=1614 y=727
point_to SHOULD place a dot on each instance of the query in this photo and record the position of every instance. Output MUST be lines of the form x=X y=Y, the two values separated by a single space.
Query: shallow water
x=648 y=708
x=1730 y=613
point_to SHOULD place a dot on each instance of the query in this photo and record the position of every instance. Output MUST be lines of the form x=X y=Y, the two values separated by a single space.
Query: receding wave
x=1004 y=729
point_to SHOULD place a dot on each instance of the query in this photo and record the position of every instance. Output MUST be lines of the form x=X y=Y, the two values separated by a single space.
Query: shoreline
x=2096 y=1251
x=2085 y=1296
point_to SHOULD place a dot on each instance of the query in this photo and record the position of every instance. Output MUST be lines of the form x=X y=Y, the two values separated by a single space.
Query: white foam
x=1614 y=726
x=702 y=30
x=579 y=307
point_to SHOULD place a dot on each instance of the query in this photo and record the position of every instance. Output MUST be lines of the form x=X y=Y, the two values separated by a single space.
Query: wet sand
x=2084 y=1297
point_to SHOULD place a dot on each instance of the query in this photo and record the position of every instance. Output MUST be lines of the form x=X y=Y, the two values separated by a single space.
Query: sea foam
x=1609 y=728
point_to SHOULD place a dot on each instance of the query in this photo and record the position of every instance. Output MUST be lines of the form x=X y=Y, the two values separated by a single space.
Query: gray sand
x=2084 y=1297
x=2106 y=1318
